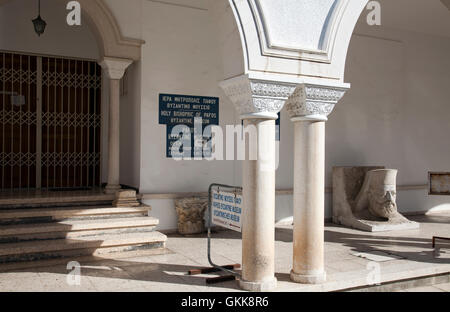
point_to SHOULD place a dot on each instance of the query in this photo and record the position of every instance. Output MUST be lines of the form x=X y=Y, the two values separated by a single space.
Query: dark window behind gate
x=50 y=122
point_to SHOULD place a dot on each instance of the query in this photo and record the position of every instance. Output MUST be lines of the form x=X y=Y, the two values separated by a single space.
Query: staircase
x=31 y=234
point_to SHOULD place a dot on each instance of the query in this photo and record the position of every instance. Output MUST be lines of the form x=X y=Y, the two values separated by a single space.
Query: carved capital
x=115 y=67
x=313 y=102
x=257 y=98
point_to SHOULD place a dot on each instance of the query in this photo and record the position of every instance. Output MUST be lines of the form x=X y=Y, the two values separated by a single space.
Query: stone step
x=90 y=245
x=47 y=214
x=75 y=228
x=46 y=198
x=103 y=255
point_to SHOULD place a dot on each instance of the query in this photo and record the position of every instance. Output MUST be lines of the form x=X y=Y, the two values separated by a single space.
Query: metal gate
x=50 y=122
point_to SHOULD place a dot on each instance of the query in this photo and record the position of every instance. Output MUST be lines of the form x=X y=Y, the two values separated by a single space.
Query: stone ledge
x=328 y=190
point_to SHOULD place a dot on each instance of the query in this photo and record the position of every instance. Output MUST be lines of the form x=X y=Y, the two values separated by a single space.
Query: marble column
x=308 y=108
x=258 y=103
x=114 y=69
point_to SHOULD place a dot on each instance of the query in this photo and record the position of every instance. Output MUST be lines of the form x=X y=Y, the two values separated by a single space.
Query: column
x=258 y=103
x=114 y=69
x=308 y=108
x=258 y=230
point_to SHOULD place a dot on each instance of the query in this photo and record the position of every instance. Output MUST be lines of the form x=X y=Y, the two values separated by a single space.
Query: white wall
x=130 y=131
x=180 y=57
x=17 y=31
x=128 y=15
x=396 y=112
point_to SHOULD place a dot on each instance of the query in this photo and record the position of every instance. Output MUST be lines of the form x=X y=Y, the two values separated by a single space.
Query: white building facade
x=349 y=94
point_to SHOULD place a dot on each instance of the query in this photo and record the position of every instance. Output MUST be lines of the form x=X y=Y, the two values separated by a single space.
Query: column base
x=264 y=286
x=318 y=278
x=112 y=189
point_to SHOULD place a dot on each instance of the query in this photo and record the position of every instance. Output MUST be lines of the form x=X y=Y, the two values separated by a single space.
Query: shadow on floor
x=136 y=271
x=417 y=249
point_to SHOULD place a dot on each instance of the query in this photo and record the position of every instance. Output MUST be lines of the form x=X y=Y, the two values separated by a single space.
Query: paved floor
x=353 y=259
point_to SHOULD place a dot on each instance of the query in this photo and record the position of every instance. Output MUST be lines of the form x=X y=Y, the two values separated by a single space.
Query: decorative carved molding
x=313 y=102
x=253 y=97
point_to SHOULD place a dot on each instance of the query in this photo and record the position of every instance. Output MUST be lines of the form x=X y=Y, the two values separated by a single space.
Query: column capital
x=313 y=102
x=254 y=98
x=115 y=67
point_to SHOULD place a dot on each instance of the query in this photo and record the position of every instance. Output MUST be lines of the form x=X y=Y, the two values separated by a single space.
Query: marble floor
x=353 y=259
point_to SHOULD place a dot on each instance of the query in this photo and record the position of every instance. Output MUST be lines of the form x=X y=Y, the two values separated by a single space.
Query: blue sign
x=177 y=110
x=182 y=109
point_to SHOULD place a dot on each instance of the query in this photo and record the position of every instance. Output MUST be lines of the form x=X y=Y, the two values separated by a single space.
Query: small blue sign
x=177 y=110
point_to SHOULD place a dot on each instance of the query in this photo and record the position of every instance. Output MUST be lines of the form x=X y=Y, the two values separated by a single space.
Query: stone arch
x=107 y=31
x=277 y=40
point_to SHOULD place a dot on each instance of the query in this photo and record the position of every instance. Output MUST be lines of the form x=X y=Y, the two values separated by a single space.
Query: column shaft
x=258 y=233
x=114 y=137
x=309 y=186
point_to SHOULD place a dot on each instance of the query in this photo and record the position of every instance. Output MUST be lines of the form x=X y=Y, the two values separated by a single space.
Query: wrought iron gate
x=50 y=121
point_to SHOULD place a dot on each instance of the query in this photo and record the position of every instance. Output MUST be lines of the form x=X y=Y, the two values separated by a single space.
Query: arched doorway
x=51 y=101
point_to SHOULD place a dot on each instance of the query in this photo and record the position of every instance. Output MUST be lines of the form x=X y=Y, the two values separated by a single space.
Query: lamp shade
x=39 y=25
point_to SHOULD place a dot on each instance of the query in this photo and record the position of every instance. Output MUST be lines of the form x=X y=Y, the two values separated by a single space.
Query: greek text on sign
x=182 y=109
x=226 y=210
x=177 y=110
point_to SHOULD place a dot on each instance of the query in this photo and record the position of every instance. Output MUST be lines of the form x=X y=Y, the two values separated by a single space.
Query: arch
x=264 y=35
x=229 y=38
x=107 y=31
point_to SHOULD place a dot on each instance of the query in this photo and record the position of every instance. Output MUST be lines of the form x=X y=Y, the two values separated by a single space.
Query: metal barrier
x=229 y=269
x=440 y=238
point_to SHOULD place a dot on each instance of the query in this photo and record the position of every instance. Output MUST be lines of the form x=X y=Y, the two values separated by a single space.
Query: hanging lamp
x=39 y=23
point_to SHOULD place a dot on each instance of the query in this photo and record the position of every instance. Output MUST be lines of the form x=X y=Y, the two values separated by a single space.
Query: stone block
x=126 y=198
x=190 y=213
